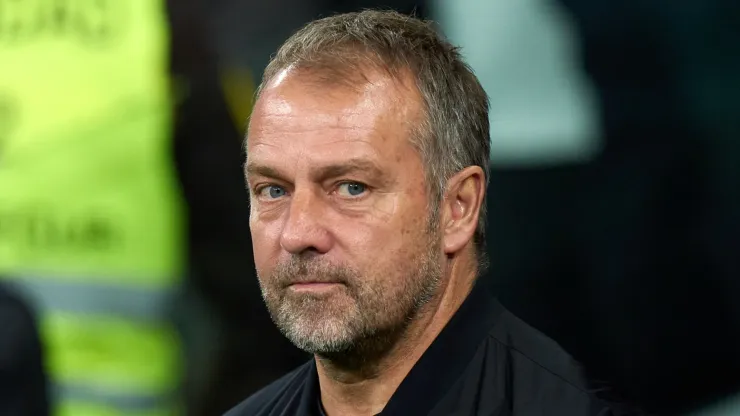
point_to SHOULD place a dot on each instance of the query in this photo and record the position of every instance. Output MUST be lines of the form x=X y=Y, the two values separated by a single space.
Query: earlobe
x=464 y=198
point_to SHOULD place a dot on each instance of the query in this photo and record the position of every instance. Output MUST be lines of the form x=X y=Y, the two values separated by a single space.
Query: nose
x=304 y=229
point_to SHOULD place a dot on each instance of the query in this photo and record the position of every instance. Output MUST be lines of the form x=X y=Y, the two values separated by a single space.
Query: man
x=367 y=160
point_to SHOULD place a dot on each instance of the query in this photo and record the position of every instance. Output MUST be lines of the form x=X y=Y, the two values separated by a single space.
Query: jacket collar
x=447 y=357
x=441 y=364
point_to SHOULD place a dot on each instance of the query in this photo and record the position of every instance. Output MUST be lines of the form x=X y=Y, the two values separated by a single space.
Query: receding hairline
x=350 y=65
x=330 y=80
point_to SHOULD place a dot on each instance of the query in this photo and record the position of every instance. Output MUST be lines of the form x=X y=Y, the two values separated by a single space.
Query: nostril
x=301 y=249
x=310 y=253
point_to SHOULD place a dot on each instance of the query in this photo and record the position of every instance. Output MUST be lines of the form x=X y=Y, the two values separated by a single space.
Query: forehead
x=297 y=116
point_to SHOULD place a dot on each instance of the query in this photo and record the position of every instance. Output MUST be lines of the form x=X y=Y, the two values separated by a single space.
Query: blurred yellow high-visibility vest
x=90 y=216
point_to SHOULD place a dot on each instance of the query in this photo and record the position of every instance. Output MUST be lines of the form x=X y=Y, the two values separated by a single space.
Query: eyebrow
x=348 y=167
x=262 y=170
x=321 y=173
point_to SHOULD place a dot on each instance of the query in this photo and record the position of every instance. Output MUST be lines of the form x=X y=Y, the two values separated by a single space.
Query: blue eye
x=352 y=188
x=272 y=191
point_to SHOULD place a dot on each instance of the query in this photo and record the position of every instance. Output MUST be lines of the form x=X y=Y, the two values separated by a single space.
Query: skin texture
x=351 y=266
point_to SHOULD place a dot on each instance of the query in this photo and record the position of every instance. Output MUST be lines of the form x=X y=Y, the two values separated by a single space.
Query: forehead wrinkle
x=274 y=152
x=269 y=124
x=271 y=143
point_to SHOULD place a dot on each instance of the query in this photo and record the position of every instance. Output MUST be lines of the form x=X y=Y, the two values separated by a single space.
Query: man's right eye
x=272 y=192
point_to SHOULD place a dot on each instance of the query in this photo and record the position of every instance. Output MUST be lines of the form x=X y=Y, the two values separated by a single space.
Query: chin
x=323 y=340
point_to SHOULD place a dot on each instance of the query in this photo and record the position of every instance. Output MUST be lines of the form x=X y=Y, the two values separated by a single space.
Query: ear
x=461 y=208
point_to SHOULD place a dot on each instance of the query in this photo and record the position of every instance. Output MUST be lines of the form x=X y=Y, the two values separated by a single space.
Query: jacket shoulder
x=275 y=395
x=544 y=367
x=530 y=344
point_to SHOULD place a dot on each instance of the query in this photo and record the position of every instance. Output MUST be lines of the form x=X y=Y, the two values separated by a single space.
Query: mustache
x=302 y=270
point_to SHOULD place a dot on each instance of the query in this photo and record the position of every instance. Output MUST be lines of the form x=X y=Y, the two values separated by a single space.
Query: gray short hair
x=454 y=133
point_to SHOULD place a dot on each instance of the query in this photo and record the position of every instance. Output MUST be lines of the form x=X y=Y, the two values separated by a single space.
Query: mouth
x=313 y=286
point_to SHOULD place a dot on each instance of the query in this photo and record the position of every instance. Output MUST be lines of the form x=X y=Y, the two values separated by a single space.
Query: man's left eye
x=352 y=189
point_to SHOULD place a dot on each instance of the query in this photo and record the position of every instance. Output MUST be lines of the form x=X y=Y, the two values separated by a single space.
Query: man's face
x=344 y=247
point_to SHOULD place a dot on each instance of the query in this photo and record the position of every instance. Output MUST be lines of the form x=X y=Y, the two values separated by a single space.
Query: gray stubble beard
x=374 y=322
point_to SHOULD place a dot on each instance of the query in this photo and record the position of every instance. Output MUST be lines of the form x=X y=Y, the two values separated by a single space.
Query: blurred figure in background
x=90 y=216
x=23 y=383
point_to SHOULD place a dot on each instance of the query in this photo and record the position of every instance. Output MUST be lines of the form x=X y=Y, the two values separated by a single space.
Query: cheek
x=383 y=240
x=265 y=243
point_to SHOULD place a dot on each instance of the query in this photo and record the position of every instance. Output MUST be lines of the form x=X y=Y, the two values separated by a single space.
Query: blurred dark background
x=614 y=199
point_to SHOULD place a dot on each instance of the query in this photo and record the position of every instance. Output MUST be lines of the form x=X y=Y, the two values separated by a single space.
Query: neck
x=366 y=391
